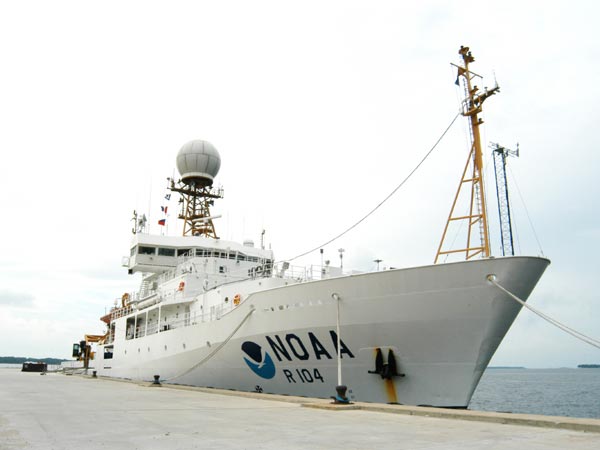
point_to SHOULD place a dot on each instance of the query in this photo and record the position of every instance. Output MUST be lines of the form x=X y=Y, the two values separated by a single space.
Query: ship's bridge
x=157 y=254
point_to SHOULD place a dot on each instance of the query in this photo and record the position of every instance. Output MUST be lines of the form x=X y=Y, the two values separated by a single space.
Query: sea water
x=552 y=392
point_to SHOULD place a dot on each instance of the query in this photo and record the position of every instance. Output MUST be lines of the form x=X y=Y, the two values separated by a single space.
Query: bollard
x=94 y=374
x=341 y=398
x=156 y=382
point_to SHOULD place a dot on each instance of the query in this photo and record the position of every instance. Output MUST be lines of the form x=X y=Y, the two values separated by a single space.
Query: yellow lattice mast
x=472 y=178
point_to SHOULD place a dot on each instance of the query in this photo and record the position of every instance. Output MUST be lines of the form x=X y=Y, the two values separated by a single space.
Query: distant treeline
x=588 y=366
x=505 y=367
x=21 y=360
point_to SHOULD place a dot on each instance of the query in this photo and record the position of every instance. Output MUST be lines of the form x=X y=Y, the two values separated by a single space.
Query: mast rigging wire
x=385 y=199
x=514 y=179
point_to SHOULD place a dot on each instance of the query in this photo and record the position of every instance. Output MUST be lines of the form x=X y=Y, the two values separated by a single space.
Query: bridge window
x=143 y=250
x=166 y=251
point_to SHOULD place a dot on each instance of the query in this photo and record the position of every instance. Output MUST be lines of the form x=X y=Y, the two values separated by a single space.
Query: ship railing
x=285 y=270
x=143 y=329
x=120 y=312
x=183 y=321
x=152 y=328
x=264 y=269
x=143 y=294
x=306 y=273
x=167 y=275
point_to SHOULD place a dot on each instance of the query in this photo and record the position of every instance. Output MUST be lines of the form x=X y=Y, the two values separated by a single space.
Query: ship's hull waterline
x=442 y=322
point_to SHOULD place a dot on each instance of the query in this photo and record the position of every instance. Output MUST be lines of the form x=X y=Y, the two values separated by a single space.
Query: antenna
x=500 y=154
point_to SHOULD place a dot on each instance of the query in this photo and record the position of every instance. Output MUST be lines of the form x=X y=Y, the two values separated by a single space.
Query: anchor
x=386 y=370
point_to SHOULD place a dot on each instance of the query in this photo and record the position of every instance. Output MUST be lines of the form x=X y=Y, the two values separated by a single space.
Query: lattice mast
x=477 y=242
x=198 y=162
x=500 y=154
x=195 y=201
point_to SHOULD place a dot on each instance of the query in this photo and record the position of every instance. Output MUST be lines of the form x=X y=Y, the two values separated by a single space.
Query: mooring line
x=556 y=323
x=214 y=352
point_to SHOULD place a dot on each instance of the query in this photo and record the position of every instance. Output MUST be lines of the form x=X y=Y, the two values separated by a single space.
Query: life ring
x=181 y=285
x=125 y=300
x=236 y=299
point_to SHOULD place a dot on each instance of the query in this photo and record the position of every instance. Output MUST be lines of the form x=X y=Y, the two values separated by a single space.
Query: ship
x=222 y=314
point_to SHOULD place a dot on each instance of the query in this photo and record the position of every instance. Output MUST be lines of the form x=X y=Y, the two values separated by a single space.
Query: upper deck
x=157 y=254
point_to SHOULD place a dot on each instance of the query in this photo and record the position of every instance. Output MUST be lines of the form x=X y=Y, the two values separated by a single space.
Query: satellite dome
x=198 y=162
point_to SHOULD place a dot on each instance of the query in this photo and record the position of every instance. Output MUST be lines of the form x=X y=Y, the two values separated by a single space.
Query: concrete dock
x=56 y=411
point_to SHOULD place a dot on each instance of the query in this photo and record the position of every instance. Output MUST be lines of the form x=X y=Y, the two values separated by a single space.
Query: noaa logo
x=259 y=361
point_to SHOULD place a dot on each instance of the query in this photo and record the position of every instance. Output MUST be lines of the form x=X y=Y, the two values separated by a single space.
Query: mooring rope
x=214 y=352
x=556 y=323
x=384 y=200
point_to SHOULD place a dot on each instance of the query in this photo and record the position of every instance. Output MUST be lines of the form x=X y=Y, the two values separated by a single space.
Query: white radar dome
x=198 y=162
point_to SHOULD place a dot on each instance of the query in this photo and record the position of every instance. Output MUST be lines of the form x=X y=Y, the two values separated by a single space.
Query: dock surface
x=56 y=411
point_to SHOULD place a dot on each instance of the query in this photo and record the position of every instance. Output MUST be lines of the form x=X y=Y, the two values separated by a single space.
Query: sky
x=319 y=109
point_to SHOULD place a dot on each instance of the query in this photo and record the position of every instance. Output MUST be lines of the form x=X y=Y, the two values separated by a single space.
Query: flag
x=461 y=71
x=162 y=222
x=164 y=209
x=168 y=197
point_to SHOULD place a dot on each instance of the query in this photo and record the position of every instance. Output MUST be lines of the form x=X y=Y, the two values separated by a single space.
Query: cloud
x=10 y=298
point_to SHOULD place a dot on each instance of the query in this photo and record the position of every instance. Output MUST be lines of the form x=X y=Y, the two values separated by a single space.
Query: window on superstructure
x=224 y=255
x=241 y=257
x=144 y=250
x=232 y=255
x=166 y=251
x=184 y=252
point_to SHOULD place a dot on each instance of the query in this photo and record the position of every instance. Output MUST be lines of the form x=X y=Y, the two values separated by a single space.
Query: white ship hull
x=442 y=322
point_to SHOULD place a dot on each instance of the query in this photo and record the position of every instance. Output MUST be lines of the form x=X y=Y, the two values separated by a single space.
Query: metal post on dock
x=340 y=388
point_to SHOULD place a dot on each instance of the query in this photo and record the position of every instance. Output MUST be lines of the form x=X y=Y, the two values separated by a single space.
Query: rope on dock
x=556 y=323
x=214 y=352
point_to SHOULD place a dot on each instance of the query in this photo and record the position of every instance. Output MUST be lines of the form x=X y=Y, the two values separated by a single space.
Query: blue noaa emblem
x=259 y=361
